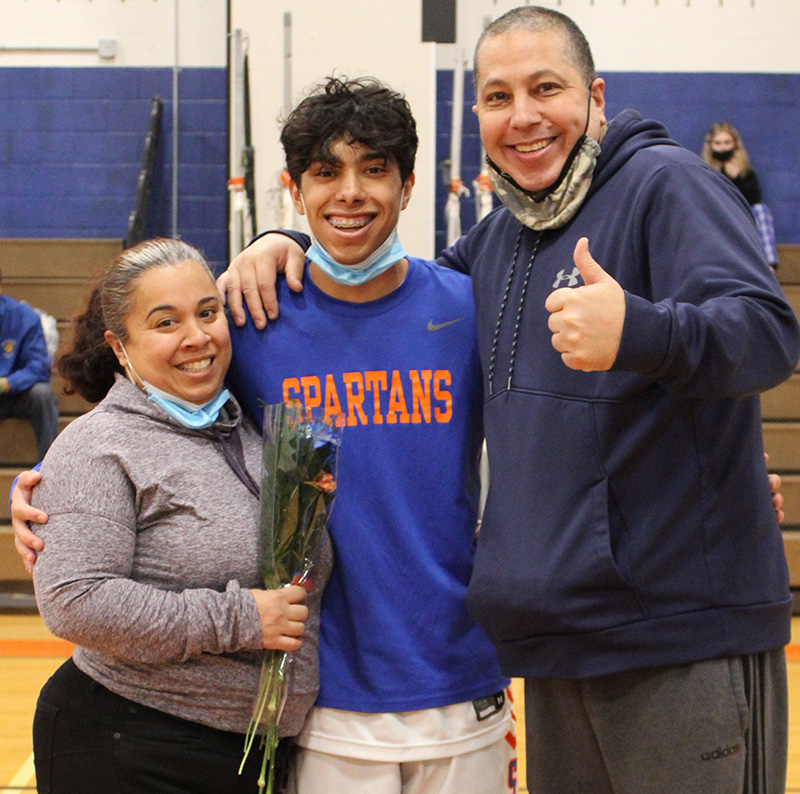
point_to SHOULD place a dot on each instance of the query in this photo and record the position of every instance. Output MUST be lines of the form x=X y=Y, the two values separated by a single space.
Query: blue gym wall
x=71 y=145
x=765 y=108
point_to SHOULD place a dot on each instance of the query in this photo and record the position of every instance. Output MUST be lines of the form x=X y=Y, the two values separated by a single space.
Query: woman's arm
x=86 y=595
x=106 y=581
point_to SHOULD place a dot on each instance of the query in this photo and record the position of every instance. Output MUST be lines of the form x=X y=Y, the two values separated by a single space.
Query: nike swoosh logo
x=438 y=326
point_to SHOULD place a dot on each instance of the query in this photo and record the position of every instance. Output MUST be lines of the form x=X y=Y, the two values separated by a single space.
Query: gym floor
x=29 y=654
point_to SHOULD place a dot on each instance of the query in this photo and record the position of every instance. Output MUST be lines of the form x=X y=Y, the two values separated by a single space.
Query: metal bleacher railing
x=137 y=220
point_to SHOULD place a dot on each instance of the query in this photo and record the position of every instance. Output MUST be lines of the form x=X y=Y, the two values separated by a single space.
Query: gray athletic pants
x=714 y=727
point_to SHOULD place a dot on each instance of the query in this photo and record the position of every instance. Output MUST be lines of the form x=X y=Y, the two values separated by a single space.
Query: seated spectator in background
x=723 y=150
x=25 y=371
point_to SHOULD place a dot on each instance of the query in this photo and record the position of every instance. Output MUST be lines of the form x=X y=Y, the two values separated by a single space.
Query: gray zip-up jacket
x=150 y=548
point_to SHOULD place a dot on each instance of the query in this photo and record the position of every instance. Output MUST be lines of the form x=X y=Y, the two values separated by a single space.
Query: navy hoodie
x=629 y=522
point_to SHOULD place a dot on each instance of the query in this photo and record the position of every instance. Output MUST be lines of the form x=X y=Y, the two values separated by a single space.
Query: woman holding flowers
x=151 y=551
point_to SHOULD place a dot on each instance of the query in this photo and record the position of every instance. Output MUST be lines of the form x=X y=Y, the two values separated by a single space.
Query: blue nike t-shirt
x=404 y=372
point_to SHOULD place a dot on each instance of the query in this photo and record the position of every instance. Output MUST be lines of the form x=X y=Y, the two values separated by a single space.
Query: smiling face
x=177 y=332
x=352 y=202
x=532 y=105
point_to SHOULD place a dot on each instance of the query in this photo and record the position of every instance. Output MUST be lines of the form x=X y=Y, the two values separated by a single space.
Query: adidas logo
x=720 y=753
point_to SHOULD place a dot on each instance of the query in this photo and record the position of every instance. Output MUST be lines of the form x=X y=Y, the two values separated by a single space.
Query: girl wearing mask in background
x=724 y=151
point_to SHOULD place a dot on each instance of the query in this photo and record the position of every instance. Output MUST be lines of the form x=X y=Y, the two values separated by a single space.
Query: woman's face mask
x=722 y=155
x=723 y=146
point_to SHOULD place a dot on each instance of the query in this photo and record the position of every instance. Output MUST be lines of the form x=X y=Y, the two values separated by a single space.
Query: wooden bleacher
x=780 y=409
x=53 y=275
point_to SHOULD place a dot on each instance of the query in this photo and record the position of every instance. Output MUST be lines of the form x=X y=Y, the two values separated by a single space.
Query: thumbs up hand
x=587 y=321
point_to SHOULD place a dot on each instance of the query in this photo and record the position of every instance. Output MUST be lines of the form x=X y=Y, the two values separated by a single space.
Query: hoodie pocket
x=612 y=539
x=554 y=555
x=565 y=580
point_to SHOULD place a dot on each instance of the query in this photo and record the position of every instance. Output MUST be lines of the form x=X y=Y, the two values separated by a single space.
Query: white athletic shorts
x=464 y=747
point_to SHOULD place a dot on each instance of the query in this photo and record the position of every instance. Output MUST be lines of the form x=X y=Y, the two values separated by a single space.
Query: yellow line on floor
x=23 y=778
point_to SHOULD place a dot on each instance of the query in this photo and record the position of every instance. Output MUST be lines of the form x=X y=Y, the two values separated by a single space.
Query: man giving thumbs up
x=587 y=321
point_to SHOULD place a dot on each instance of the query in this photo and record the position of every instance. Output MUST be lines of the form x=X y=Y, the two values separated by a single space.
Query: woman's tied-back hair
x=536 y=19
x=357 y=111
x=740 y=158
x=89 y=365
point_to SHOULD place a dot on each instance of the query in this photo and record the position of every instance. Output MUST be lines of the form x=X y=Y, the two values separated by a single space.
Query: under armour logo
x=570 y=278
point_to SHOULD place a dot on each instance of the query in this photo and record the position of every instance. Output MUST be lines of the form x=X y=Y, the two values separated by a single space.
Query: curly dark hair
x=89 y=366
x=361 y=111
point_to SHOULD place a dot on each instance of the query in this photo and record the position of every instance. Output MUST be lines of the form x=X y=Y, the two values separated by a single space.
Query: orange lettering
x=355 y=398
x=397 y=402
x=311 y=384
x=332 y=405
x=291 y=385
x=376 y=382
x=442 y=377
x=421 y=395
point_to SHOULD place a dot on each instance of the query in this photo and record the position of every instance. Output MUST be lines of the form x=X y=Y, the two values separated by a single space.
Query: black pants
x=87 y=740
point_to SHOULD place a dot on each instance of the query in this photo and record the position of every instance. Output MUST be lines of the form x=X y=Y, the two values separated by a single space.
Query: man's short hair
x=361 y=111
x=543 y=20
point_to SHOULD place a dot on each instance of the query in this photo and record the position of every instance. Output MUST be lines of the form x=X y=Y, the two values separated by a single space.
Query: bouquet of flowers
x=297 y=490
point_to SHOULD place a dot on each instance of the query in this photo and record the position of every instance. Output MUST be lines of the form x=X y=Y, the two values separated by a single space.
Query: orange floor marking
x=63 y=648
x=36 y=648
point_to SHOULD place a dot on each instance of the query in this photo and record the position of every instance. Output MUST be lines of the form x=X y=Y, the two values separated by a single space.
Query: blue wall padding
x=71 y=144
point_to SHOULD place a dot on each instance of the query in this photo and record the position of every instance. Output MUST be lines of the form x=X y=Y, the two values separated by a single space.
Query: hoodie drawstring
x=495 y=340
x=234 y=456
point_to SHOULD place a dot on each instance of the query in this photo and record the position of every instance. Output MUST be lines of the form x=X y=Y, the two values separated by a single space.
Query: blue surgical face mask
x=382 y=258
x=188 y=414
